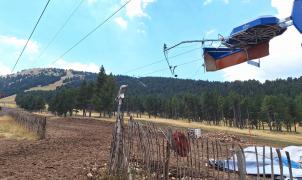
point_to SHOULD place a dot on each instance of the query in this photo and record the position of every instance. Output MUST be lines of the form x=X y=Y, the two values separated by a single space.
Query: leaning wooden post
x=289 y=165
x=280 y=164
x=241 y=164
x=168 y=151
x=118 y=158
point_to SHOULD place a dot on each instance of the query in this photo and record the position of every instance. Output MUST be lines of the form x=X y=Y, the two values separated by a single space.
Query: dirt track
x=71 y=146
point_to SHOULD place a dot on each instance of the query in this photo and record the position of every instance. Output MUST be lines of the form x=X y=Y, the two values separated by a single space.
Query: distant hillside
x=39 y=79
x=50 y=79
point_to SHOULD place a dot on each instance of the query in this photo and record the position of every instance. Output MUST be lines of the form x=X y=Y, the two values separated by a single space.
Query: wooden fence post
x=263 y=161
x=31 y=122
x=257 y=162
x=42 y=128
x=168 y=151
x=117 y=154
x=280 y=164
x=272 y=164
x=241 y=164
x=289 y=165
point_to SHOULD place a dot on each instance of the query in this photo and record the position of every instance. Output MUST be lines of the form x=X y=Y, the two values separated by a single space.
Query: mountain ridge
x=34 y=79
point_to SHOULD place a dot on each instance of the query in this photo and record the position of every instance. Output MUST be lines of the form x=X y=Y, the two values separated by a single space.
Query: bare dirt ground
x=71 y=147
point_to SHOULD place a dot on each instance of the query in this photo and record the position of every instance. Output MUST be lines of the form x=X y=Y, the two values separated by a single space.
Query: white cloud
x=91 y=2
x=89 y=67
x=226 y=1
x=15 y=43
x=120 y=21
x=210 y=32
x=141 y=31
x=4 y=70
x=207 y=2
x=285 y=54
x=136 y=8
x=244 y=72
x=10 y=49
x=245 y=1
x=284 y=8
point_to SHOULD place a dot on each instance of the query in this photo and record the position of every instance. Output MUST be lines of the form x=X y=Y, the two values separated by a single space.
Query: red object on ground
x=181 y=144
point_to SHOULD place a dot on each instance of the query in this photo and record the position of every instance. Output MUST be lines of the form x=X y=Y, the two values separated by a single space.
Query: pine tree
x=98 y=99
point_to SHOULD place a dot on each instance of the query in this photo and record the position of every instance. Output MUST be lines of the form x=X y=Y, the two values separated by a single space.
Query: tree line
x=91 y=96
x=233 y=110
x=242 y=104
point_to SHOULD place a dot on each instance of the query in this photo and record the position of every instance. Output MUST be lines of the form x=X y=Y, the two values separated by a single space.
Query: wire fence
x=158 y=152
x=33 y=123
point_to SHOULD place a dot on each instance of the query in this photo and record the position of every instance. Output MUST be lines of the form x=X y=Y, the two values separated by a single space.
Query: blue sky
x=136 y=35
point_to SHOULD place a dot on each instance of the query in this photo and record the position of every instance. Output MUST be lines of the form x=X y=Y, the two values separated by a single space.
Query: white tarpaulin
x=264 y=162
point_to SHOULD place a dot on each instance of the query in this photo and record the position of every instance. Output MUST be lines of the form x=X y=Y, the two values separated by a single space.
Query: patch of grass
x=8 y=101
x=258 y=136
x=264 y=136
x=53 y=86
x=10 y=129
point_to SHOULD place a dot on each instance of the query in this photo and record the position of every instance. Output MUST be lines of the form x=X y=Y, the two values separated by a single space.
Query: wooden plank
x=244 y=161
x=228 y=162
x=289 y=165
x=198 y=155
x=214 y=160
x=257 y=162
x=272 y=164
x=217 y=156
x=207 y=154
x=280 y=164
x=263 y=161
x=240 y=164
x=234 y=165
x=167 y=158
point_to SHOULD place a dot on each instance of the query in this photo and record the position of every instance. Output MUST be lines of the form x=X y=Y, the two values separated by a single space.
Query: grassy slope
x=257 y=136
x=264 y=136
x=9 y=129
x=10 y=101
x=52 y=86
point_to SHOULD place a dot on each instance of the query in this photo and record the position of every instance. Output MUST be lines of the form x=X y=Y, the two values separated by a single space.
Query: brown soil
x=71 y=147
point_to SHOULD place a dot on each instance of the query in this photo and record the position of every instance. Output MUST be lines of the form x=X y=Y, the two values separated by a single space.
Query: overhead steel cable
x=160 y=70
x=92 y=31
x=189 y=62
x=165 y=69
x=196 y=72
x=32 y=32
x=144 y=66
x=159 y=61
x=61 y=28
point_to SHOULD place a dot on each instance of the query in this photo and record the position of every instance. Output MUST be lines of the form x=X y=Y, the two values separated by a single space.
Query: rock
x=94 y=169
x=89 y=175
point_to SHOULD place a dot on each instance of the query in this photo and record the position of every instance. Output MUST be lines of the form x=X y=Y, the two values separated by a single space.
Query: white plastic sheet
x=295 y=153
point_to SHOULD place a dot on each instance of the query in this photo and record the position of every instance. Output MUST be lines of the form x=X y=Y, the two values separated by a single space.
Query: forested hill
x=166 y=87
x=157 y=86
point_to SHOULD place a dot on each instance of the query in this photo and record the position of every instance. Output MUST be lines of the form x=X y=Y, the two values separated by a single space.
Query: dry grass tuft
x=10 y=129
x=8 y=101
x=282 y=138
x=260 y=136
